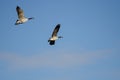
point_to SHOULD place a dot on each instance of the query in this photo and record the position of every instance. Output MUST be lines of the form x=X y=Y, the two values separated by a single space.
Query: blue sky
x=90 y=48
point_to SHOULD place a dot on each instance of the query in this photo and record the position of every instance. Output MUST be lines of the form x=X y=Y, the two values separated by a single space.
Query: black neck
x=30 y=18
x=60 y=37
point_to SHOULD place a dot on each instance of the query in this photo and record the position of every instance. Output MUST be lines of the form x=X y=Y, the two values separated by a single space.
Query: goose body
x=21 y=18
x=54 y=36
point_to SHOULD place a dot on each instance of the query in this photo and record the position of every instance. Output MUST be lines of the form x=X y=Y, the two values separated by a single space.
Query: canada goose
x=54 y=35
x=21 y=18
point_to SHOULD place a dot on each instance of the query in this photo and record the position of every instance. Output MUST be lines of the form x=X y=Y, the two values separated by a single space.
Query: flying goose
x=54 y=35
x=21 y=18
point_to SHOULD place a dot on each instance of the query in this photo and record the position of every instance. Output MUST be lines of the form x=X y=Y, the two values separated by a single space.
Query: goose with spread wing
x=54 y=36
x=21 y=18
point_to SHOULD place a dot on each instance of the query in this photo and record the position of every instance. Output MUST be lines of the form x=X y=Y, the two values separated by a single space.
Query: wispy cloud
x=63 y=59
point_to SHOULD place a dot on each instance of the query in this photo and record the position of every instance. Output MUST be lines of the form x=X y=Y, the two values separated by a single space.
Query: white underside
x=22 y=20
x=54 y=38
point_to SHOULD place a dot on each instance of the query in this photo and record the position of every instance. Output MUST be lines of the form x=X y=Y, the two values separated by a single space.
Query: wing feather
x=56 y=30
x=20 y=12
x=52 y=43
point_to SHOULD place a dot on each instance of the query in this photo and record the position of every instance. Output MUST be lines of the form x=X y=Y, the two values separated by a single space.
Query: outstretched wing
x=56 y=30
x=19 y=12
x=52 y=42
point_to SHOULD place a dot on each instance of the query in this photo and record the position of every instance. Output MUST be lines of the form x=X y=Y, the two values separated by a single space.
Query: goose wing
x=56 y=30
x=52 y=42
x=20 y=12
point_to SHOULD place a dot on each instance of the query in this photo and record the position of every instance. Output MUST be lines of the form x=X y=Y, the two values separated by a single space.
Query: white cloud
x=55 y=59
